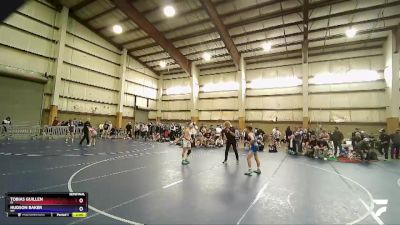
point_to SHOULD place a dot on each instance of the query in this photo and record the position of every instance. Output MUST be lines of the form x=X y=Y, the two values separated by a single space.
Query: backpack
x=372 y=156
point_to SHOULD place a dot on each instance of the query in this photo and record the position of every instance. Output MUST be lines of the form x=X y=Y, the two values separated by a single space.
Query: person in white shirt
x=145 y=130
x=276 y=135
x=6 y=123
x=218 y=131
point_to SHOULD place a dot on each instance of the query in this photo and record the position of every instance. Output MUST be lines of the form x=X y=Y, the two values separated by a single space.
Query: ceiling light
x=117 y=29
x=267 y=46
x=350 y=33
x=169 y=11
x=206 y=56
x=163 y=64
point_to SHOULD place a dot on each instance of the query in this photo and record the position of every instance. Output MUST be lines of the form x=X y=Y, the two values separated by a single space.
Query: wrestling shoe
x=248 y=173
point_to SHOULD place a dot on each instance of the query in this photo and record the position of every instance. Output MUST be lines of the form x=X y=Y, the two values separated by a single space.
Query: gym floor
x=144 y=182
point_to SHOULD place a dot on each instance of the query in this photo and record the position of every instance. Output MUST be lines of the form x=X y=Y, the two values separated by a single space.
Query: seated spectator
x=362 y=148
x=309 y=150
x=321 y=150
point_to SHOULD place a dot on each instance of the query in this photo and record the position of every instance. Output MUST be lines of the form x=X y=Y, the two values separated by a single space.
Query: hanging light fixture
x=267 y=46
x=117 y=29
x=163 y=64
x=206 y=56
x=169 y=11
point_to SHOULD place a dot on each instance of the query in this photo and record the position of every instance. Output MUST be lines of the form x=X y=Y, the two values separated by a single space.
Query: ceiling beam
x=368 y=31
x=305 y=20
x=225 y=15
x=95 y=16
x=305 y=31
x=223 y=32
x=81 y=4
x=141 y=21
x=127 y=19
x=353 y=11
x=245 y=22
x=157 y=22
x=276 y=37
x=293 y=34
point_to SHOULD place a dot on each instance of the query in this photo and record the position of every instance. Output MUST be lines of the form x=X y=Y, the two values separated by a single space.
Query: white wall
x=175 y=107
x=218 y=105
x=274 y=104
x=351 y=102
x=91 y=65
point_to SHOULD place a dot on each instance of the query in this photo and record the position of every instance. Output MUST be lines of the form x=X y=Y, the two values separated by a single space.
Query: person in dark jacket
x=229 y=135
x=395 y=144
x=337 y=138
x=85 y=130
x=129 y=130
x=288 y=134
x=384 y=140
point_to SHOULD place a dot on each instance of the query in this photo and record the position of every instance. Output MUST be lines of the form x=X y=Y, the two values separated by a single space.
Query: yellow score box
x=79 y=215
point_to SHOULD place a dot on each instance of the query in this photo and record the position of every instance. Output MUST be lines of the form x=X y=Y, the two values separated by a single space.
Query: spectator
x=337 y=138
x=129 y=129
x=85 y=130
x=384 y=140
x=55 y=122
x=6 y=122
x=395 y=144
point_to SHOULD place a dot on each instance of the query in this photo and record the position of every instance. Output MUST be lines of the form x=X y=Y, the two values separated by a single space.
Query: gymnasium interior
x=133 y=105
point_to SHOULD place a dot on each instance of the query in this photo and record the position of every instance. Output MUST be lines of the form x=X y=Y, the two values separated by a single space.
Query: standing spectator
x=384 y=143
x=106 y=128
x=71 y=130
x=6 y=123
x=85 y=130
x=395 y=144
x=93 y=135
x=288 y=133
x=145 y=130
x=337 y=138
x=276 y=135
x=355 y=138
x=55 y=122
x=298 y=138
x=129 y=130
x=137 y=130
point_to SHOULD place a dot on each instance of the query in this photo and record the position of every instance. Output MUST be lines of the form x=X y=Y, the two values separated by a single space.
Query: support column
x=391 y=73
x=194 y=100
x=305 y=72
x=122 y=87
x=241 y=78
x=159 y=98
x=61 y=37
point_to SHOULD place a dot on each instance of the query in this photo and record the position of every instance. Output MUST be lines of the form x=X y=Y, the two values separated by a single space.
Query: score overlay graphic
x=64 y=204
